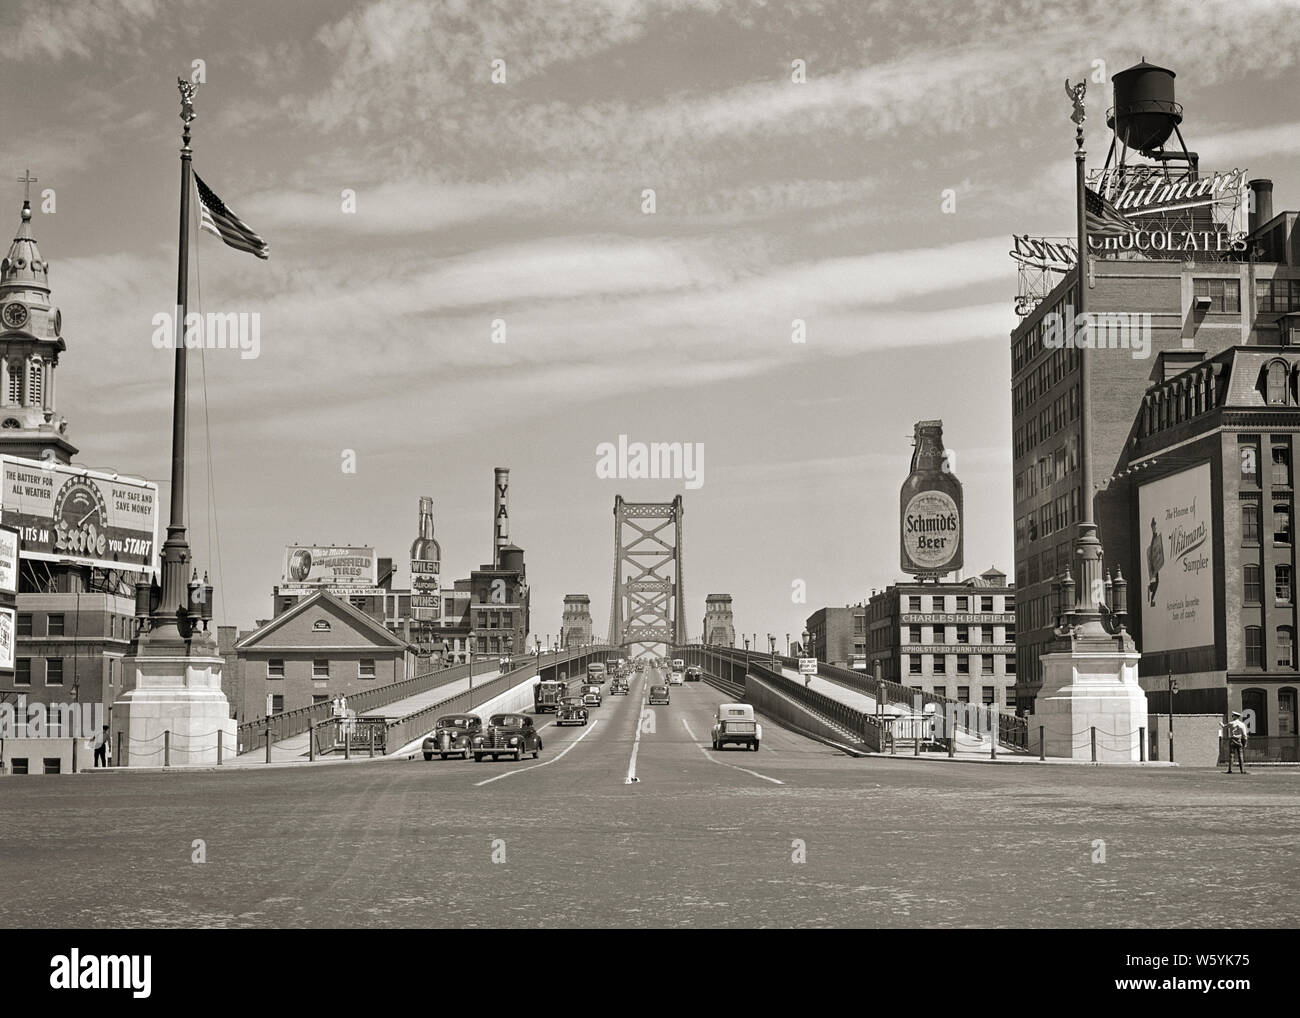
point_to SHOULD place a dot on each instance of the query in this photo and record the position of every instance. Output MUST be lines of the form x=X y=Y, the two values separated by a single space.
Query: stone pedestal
x=1091 y=682
x=177 y=690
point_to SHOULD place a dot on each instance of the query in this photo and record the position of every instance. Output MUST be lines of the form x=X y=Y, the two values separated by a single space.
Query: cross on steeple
x=27 y=180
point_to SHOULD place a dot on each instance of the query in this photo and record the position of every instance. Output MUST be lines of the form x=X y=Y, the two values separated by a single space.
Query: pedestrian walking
x=101 y=748
x=1237 y=733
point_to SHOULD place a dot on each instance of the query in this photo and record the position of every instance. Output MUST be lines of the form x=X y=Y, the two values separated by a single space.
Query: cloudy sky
x=523 y=201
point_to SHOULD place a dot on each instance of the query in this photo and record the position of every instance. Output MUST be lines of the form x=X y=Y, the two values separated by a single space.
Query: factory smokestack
x=501 y=514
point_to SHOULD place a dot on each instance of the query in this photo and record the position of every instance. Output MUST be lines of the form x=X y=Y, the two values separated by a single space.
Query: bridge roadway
x=796 y=834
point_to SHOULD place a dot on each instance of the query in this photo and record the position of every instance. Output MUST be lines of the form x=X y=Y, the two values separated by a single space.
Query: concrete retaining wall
x=771 y=704
x=514 y=700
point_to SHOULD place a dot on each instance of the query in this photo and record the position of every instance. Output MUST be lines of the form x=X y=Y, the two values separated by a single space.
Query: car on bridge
x=451 y=734
x=596 y=672
x=592 y=696
x=618 y=686
x=507 y=735
x=734 y=723
x=571 y=711
x=675 y=678
x=658 y=694
x=694 y=673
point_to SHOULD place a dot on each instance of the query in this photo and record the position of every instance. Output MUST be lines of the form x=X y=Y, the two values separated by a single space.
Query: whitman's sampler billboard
x=1177 y=523
x=63 y=512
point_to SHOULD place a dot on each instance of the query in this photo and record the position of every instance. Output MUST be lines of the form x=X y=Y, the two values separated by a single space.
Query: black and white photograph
x=619 y=465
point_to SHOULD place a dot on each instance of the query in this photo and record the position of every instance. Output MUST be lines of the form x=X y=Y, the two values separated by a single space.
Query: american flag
x=217 y=218
x=1102 y=218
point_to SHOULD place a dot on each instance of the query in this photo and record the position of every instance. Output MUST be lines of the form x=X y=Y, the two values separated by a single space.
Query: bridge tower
x=646 y=610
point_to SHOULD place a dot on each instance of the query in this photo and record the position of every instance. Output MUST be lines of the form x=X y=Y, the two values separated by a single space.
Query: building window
x=913 y=634
x=366 y=668
x=23 y=671
x=989 y=696
x=1009 y=664
x=56 y=625
x=24 y=623
x=963 y=603
x=15 y=385
x=1249 y=523
x=52 y=765
x=1224 y=294
x=286 y=603
x=320 y=668
x=914 y=603
x=963 y=634
x=54 y=671
x=1254 y=584
x=1281 y=523
x=1282 y=583
x=1285 y=647
x=963 y=664
x=986 y=664
x=20 y=762
x=275 y=668
x=963 y=694
x=913 y=664
x=277 y=703
x=34 y=384
x=1276 y=386
x=319 y=698
x=1282 y=466
x=986 y=602
x=1248 y=453
x=1254 y=647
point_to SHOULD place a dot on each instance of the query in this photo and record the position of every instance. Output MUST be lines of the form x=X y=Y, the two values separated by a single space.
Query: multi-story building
x=838 y=636
x=719 y=623
x=575 y=624
x=1217 y=290
x=953 y=639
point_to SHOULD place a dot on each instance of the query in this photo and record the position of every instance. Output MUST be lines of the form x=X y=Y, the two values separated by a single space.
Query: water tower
x=1144 y=116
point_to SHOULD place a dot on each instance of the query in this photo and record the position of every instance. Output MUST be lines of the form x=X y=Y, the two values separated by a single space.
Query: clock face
x=79 y=505
x=14 y=315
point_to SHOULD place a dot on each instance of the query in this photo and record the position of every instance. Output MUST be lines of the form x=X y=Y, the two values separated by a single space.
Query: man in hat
x=1237 y=733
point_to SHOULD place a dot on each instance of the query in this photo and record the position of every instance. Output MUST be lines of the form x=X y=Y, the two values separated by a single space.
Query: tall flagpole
x=176 y=550
x=1088 y=549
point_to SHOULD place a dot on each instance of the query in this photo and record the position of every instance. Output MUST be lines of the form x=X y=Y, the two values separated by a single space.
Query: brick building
x=838 y=635
x=954 y=639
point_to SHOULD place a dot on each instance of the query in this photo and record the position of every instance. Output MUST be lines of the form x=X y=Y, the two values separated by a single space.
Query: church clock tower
x=31 y=339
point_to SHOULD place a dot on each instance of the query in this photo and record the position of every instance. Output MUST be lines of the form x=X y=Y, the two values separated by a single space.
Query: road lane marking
x=546 y=763
x=700 y=746
x=636 y=744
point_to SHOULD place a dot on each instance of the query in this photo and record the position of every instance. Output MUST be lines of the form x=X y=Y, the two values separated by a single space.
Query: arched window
x=15 y=394
x=35 y=377
x=1254 y=648
x=1285 y=647
x=1254 y=704
x=1277 y=379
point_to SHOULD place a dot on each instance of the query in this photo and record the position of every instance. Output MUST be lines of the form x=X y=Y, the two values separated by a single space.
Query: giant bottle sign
x=930 y=508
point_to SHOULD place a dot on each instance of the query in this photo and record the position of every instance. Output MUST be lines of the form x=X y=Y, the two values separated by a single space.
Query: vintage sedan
x=507 y=735
x=694 y=673
x=592 y=695
x=734 y=723
x=618 y=686
x=571 y=711
x=452 y=734
x=658 y=694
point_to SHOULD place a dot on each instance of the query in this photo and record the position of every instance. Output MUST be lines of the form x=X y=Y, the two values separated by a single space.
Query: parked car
x=617 y=687
x=452 y=734
x=694 y=673
x=592 y=696
x=658 y=694
x=734 y=723
x=571 y=711
x=507 y=735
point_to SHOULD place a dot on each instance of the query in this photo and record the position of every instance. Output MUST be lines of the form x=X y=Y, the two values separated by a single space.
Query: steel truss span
x=645 y=614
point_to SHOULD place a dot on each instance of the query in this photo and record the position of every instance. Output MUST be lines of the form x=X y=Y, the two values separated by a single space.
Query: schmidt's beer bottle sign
x=930 y=507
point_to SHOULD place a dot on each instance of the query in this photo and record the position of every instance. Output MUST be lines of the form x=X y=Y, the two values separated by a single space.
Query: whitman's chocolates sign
x=1177 y=522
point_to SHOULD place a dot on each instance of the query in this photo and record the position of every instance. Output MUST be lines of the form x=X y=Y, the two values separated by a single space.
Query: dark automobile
x=451 y=734
x=658 y=694
x=694 y=673
x=592 y=696
x=507 y=735
x=617 y=687
x=571 y=711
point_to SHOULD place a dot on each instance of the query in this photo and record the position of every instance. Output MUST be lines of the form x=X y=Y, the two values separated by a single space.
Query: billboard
x=67 y=513
x=8 y=560
x=1176 y=522
x=317 y=567
x=7 y=628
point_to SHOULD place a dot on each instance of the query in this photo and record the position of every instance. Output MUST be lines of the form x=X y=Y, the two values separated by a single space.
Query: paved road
x=702 y=838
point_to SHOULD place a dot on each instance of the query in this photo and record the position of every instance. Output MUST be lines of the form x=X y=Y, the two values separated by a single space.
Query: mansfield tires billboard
x=67 y=513
x=1177 y=533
